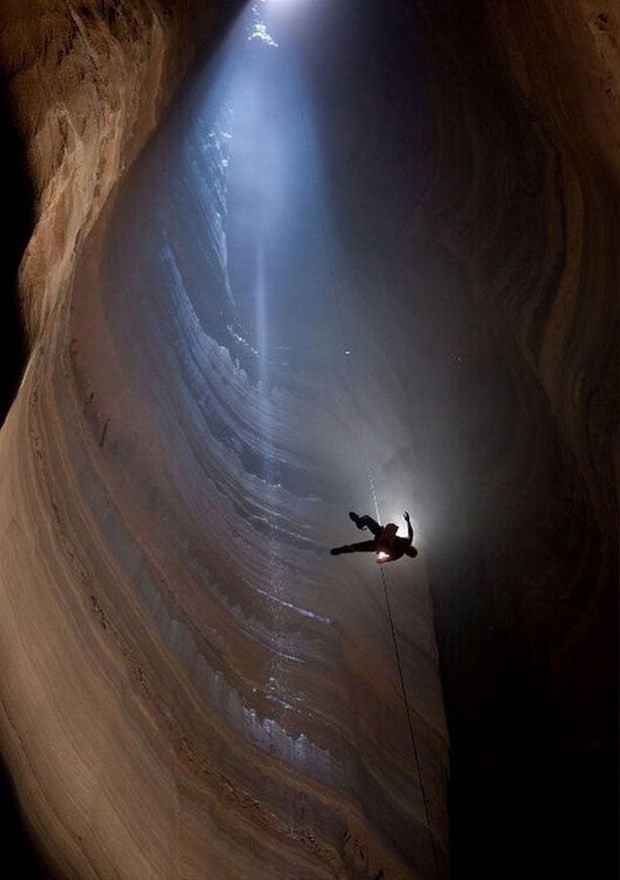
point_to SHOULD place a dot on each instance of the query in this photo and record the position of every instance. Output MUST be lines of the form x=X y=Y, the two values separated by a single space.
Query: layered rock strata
x=210 y=696
x=187 y=682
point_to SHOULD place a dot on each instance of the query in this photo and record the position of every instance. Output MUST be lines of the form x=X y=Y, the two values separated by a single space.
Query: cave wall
x=187 y=711
x=522 y=205
x=86 y=83
x=526 y=202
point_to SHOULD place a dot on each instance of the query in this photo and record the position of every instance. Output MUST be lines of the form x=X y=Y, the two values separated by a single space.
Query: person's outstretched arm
x=409 y=527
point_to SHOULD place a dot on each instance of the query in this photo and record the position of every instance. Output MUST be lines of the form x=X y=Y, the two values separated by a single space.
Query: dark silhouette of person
x=386 y=544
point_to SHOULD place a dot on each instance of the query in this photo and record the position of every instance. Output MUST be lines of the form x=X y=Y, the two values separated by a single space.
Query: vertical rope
x=429 y=825
x=363 y=444
x=346 y=348
x=371 y=480
x=418 y=766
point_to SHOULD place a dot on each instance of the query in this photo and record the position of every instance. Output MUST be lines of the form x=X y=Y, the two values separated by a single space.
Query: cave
x=269 y=263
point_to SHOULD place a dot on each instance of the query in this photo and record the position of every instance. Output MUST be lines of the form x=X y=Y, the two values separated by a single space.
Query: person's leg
x=362 y=547
x=371 y=524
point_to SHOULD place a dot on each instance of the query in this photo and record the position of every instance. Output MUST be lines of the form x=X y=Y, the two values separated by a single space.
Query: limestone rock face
x=424 y=317
x=525 y=564
x=87 y=82
x=214 y=696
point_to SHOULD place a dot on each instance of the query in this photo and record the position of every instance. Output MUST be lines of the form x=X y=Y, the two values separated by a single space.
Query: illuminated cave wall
x=145 y=726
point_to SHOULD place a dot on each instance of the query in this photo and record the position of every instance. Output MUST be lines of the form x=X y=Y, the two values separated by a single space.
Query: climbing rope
x=329 y=262
x=418 y=766
x=360 y=420
x=336 y=297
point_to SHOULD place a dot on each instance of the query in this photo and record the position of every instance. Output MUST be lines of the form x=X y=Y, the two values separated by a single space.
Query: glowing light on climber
x=385 y=544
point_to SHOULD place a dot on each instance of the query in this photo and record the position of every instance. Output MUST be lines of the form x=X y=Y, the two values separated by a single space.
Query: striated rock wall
x=526 y=200
x=515 y=423
x=87 y=82
x=538 y=220
x=572 y=93
x=207 y=697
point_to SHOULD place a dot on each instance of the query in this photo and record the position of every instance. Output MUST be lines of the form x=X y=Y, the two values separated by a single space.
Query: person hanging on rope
x=386 y=544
